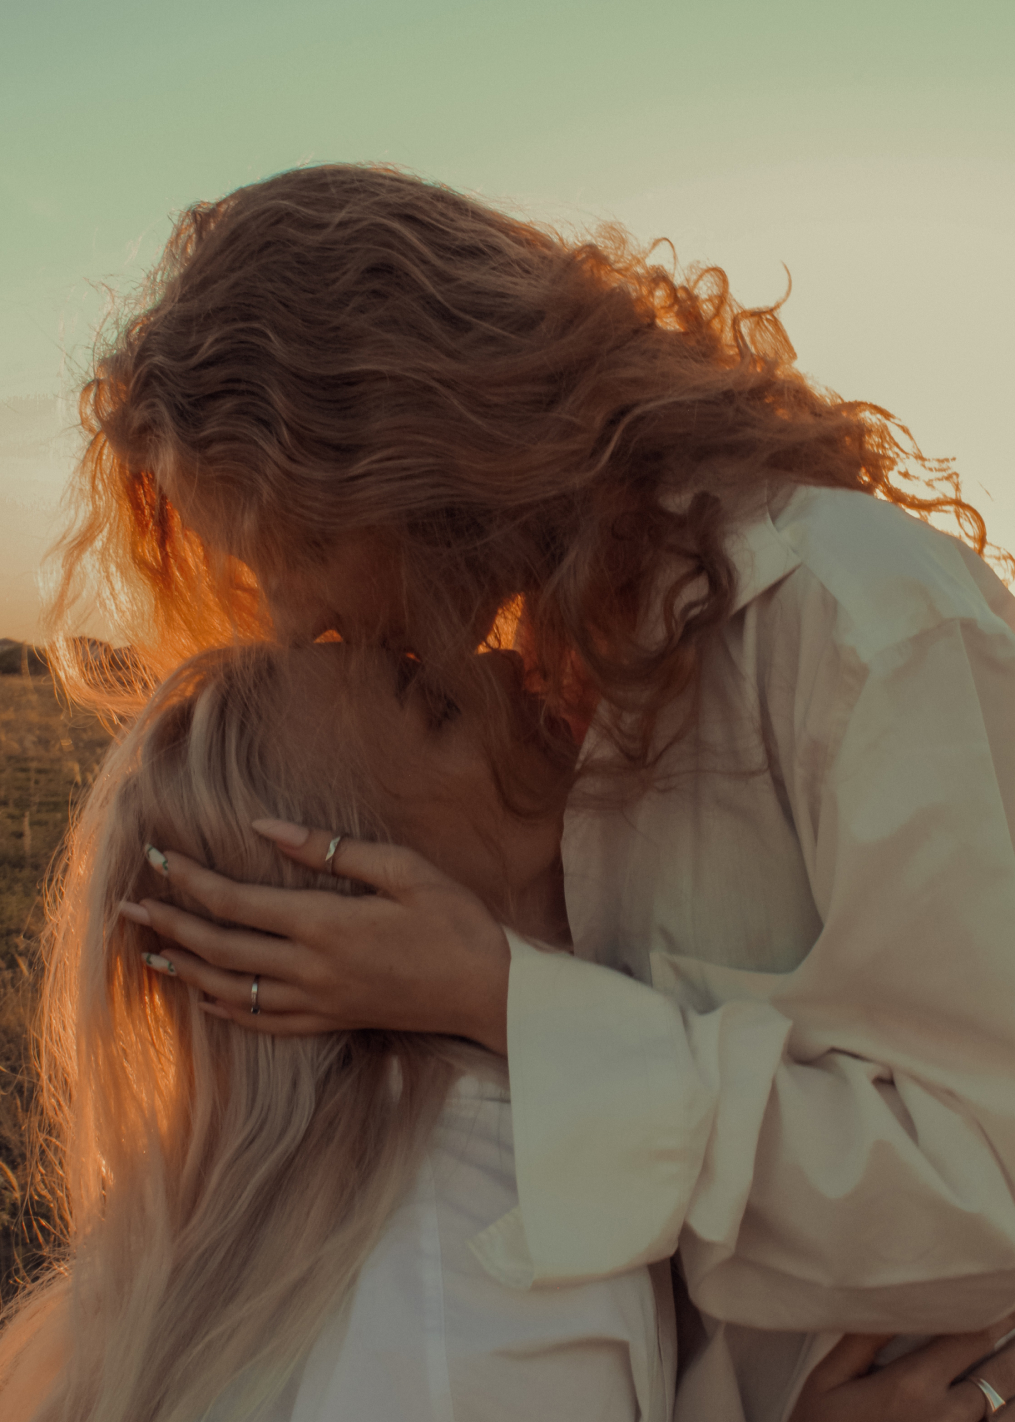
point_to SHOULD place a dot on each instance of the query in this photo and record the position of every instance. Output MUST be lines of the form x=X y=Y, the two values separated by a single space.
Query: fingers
x=259 y=906
x=310 y=847
x=956 y=1354
x=350 y=963
x=917 y=1387
x=390 y=868
x=970 y=1403
x=851 y=1357
x=999 y=1372
x=232 y=990
x=272 y=1024
x=923 y=1380
x=232 y=949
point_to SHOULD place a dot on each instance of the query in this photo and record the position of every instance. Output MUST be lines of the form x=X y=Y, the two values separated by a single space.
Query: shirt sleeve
x=832 y=1147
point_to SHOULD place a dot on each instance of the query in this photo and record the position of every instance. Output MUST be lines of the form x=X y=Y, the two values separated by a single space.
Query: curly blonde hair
x=557 y=426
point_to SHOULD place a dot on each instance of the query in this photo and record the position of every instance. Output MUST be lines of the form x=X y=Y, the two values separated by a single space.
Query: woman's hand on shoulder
x=421 y=954
x=927 y=1385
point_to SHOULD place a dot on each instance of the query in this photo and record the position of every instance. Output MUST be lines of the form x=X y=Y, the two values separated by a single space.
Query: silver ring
x=331 y=851
x=995 y=1401
x=254 y=1009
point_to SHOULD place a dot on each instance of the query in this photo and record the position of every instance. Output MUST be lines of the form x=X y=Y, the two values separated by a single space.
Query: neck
x=539 y=910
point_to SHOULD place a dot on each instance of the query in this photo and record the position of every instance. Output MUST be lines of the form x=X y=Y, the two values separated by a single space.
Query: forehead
x=330 y=699
x=326 y=673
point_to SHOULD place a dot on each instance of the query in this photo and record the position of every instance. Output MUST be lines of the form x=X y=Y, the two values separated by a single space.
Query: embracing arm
x=831 y=1147
x=879 y=1191
x=932 y=1384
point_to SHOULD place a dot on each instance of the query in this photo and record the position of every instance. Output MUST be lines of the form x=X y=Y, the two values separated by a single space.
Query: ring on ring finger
x=995 y=1402
x=329 y=858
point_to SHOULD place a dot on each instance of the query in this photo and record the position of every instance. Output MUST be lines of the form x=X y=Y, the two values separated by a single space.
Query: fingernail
x=282 y=832
x=157 y=860
x=160 y=964
x=1003 y=1342
x=135 y=913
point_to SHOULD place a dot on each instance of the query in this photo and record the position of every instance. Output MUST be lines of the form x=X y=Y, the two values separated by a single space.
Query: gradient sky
x=868 y=146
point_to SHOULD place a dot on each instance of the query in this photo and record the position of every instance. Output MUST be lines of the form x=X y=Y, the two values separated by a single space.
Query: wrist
x=485 y=1004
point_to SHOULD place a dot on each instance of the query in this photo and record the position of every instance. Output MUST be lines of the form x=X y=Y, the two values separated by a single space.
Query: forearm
x=859 y=1208
x=619 y=1094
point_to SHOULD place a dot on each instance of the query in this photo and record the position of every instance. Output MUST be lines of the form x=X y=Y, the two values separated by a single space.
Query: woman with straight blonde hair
x=275 y=1229
x=353 y=402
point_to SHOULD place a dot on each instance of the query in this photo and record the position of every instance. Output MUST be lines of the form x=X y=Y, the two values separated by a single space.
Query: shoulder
x=881 y=575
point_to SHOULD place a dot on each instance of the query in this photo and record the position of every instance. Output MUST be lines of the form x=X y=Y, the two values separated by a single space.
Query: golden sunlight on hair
x=504 y=632
x=156 y=1120
x=523 y=414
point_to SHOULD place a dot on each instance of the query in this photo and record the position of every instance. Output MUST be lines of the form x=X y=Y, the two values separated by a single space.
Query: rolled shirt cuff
x=611 y=1123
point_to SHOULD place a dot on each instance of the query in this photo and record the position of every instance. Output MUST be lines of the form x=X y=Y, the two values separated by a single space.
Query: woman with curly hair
x=277 y=1228
x=350 y=402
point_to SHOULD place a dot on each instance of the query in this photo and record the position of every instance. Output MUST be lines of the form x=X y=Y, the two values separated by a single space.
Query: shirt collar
x=762 y=557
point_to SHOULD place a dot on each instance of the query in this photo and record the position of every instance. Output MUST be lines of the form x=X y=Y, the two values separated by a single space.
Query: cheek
x=451 y=824
x=452 y=836
x=491 y=852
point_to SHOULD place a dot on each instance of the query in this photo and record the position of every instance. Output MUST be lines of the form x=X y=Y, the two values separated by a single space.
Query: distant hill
x=21 y=657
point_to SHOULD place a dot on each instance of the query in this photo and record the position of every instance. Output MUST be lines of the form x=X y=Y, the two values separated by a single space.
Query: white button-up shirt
x=427 y=1336
x=804 y=1073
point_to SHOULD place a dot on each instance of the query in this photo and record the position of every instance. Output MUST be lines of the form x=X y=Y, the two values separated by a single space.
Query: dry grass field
x=48 y=755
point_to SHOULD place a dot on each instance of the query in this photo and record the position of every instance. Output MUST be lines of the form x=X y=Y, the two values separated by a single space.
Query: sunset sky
x=868 y=146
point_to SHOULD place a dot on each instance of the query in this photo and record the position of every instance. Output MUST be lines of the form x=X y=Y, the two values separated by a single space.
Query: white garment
x=818 y=1100
x=428 y=1336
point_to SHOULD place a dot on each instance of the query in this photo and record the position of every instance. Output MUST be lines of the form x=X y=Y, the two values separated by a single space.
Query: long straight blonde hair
x=221 y=1188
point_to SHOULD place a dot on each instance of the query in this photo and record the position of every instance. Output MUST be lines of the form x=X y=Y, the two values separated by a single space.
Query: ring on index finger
x=329 y=857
